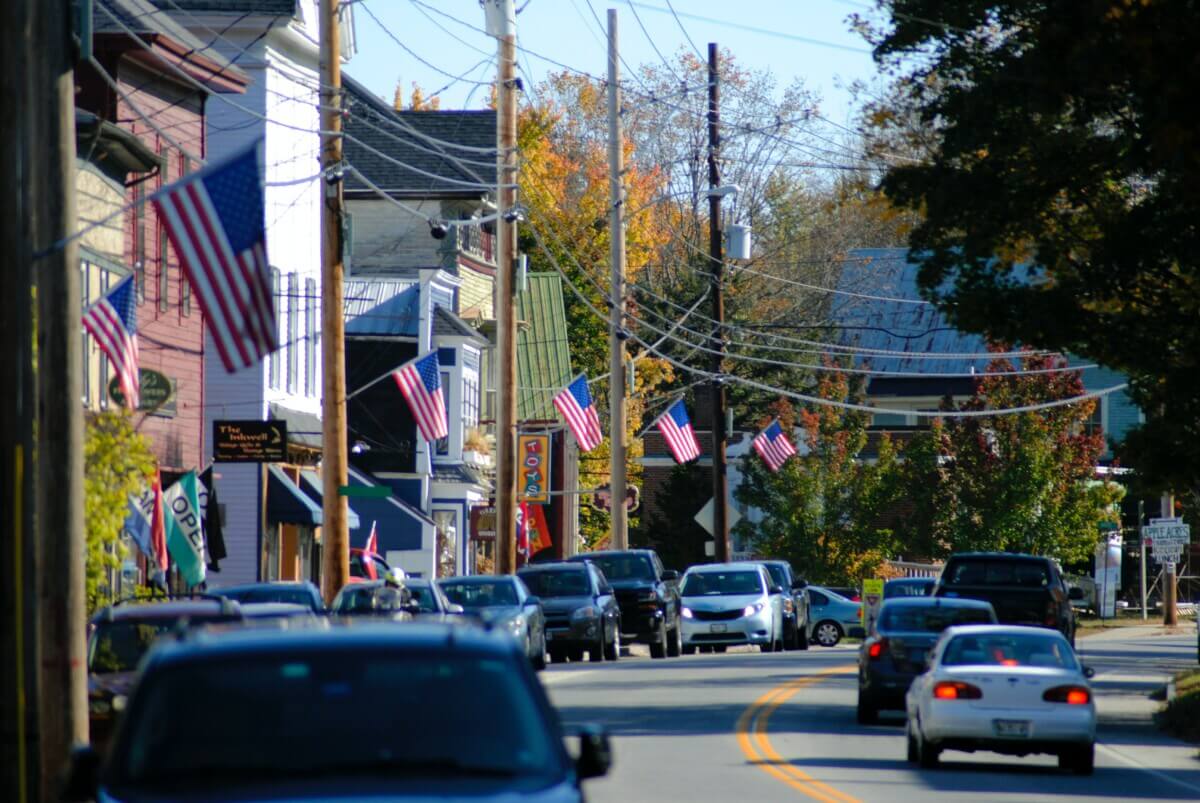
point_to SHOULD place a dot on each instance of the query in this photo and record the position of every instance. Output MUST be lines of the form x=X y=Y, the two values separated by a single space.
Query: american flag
x=112 y=321
x=575 y=404
x=372 y=541
x=773 y=446
x=421 y=384
x=676 y=428
x=215 y=221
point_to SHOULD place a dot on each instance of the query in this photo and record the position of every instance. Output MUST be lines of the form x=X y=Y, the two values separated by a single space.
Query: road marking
x=1137 y=765
x=559 y=678
x=756 y=744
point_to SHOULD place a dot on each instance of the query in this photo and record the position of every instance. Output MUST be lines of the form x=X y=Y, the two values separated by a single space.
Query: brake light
x=1071 y=695
x=956 y=690
x=876 y=649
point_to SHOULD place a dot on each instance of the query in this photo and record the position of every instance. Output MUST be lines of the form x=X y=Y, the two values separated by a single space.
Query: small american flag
x=112 y=321
x=773 y=446
x=676 y=428
x=215 y=221
x=575 y=404
x=421 y=384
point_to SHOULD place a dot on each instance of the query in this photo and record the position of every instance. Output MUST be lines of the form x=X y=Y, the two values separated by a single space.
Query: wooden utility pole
x=720 y=526
x=1170 y=607
x=335 y=563
x=19 y=666
x=616 y=336
x=502 y=23
x=62 y=607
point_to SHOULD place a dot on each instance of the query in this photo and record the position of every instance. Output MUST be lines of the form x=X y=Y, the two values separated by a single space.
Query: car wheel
x=613 y=651
x=913 y=755
x=927 y=754
x=705 y=649
x=558 y=656
x=802 y=637
x=689 y=649
x=539 y=659
x=658 y=647
x=675 y=642
x=575 y=655
x=718 y=648
x=827 y=633
x=865 y=713
x=1080 y=760
x=791 y=638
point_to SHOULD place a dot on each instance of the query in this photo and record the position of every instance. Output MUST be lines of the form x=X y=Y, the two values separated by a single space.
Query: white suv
x=728 y=604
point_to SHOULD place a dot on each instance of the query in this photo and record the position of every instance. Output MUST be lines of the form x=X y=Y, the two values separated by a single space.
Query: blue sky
x=808 y=39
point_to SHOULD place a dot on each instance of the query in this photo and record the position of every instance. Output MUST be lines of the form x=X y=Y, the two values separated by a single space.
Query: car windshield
x=565 y=583
x=480 y=595
x=704 y=584
x=294 y=596
x=907 y=588
x=1024 y=573
x=118 y=646
x=778 y=575
x=1009 y=649
x=929 y=618
x=370 y=599
x=425 y=597
x=336 y=714
x=624 y=567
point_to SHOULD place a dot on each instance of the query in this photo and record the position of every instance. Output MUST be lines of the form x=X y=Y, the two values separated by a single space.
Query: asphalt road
x=749 y=726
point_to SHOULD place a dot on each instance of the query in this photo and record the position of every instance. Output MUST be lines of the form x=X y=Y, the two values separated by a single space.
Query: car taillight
x=1051 y=614
x=876 y=649
x=1071 y=695
x=956 y=690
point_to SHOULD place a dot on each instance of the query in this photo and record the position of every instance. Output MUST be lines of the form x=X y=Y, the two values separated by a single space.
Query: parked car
x=429 y=601
x=382 y=598
x=296 y=593
x=795 y=604
x=848 y=592
x=277 y=612
x=726 y=604
x=1012 y=690
x=909 y=587
x=647 y=594
x=502 y=603
x=581 y=611
x=427 y=712
x=906 y=629
x=833 y=616
x=1023 y=589
x=121 y=634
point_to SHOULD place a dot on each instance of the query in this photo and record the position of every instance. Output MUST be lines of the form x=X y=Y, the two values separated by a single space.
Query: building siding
x=386 y=238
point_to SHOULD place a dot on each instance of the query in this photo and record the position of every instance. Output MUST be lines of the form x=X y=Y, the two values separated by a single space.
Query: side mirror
x=83 y=775
x=1075 y=592
x=595 y=753
x=531 y=602
x=455 y=608
x=1088 y=672
x=775 y=590
x=670 y=576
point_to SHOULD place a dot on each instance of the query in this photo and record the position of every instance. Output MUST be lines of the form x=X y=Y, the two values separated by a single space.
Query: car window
x=480 y=595
x=817 y=598
x=624 y=567
x=293 y=596
x=984 y=572
x=906 y=588
x=558 y=583
x=778 y=574
x=119 y=646
x=1005 y=649
x=426 y=598
x=703 y=584
x=281 y=717
x=370 y=599
x=931 y=618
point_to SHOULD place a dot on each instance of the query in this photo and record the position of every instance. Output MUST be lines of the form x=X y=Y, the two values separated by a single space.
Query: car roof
x=169 y=609
x=984 y=630
x=561 y=565
x=1004 y=555
x=609 y=552
x=902 y=580
x=741 y=565
x=305 y=584
x=935 y=602
x=828 y=590
x=477 y=579
x=251 y=609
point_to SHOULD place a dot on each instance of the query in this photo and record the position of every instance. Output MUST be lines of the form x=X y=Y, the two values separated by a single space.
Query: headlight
x=581 y=614
x=686 y=613
x=515 y=625
x=788 y=605
x=750 y=610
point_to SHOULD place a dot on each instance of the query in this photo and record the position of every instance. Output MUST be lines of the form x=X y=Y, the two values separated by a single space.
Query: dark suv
x=647 y=594
x=581 y=611
x=795 y=608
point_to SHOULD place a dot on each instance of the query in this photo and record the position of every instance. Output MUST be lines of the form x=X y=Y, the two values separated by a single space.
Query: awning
x=399 y=524
x=310 y=483
x=286 y=503
x=304 y=429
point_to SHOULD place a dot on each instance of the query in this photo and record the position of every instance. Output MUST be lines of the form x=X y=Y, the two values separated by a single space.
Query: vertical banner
x=533 y=471
x=185 y=535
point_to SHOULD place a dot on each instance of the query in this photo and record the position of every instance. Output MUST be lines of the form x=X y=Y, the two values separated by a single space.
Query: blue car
x=832 y=616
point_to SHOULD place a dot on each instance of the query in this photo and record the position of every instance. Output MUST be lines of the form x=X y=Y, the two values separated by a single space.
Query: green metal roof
x=543 y=353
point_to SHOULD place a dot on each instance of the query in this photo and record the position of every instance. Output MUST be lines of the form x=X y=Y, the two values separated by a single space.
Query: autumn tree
x=1020 y=482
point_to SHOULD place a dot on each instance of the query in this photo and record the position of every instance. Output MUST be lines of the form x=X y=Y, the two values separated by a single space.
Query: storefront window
x=447 y=542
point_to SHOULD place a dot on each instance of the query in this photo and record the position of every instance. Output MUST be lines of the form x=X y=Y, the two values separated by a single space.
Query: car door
x=605 y=600
x=533 y=613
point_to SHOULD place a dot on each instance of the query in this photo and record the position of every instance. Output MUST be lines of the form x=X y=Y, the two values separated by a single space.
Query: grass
x=1182 y=715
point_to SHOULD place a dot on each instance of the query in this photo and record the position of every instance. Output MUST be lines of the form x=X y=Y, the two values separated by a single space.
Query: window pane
x=273 y=365
x=310 y=335
x=293 y=321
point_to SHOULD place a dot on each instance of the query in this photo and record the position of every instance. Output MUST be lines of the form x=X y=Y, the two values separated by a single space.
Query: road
x=748 y=726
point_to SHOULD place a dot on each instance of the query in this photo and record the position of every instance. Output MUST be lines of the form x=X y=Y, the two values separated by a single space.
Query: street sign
x=602 y=498
x=250 y=441
x=705 y=517
x=365 y=491
x=1167 y=538
x=872 y=596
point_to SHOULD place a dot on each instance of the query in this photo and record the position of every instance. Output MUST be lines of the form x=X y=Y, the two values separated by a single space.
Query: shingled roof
x=150 y=21
x=374 y=127
x=283 y=8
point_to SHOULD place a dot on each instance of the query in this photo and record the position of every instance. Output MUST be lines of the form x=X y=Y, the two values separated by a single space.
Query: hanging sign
x=533 y=470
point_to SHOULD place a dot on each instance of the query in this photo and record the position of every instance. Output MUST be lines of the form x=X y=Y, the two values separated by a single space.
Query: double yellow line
x=756 y=744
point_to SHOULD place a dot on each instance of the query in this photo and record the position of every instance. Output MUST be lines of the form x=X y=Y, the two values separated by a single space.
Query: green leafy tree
x=117 y=462
x=827 y=511
x=1021 y=482
x=672 y=530
x=1059 y=186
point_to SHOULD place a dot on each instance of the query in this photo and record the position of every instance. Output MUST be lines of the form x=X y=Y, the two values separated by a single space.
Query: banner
x=533 y=469
x=185 y=534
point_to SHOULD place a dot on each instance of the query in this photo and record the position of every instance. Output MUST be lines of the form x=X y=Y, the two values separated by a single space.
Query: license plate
x=718 y=628
x=1012 y=728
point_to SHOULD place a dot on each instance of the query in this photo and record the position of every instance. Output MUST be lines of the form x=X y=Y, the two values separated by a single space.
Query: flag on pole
x=676 y=428
x=210 y=519
x=523 y=528
x=773 y=446
x=185 y=536
x=372 y=541
x=112 y=321
x=574 y=403
x=539 y=530
x=214 y=219
x=137 y=522
x=158 y=527
x=420 y=382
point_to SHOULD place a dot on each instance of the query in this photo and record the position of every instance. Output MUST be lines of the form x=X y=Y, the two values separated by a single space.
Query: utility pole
x=1170 y=608
x=1142 y=545
x=616 y=340
x=720 y=526
x=19 y=665
x=335 y=509
x=502 y=24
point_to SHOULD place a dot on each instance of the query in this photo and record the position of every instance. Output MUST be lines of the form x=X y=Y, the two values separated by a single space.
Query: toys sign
x=533 y=471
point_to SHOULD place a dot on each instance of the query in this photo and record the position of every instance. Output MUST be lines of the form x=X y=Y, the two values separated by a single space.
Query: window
x=85 y=274
x=293 y=321
x=310 y=337
x=139 y=242
x=103 y=389
x=470 y=402
x=164 y=277
x=447 y=543
x=273 y=364
x=889 y=420
x=185 y=288
x=442 y=447
x=1095 y=423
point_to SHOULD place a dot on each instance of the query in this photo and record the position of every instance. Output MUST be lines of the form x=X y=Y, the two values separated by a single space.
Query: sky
x=807 y=39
